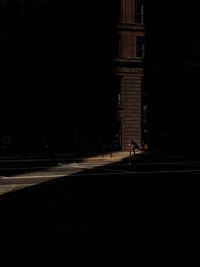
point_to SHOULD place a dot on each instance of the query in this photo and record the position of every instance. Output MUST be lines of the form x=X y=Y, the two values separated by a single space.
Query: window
x=116 y=135
x=140 y=46
x=117 y=99
x=140 y=11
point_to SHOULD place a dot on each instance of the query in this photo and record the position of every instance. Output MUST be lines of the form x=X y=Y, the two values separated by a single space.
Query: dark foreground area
x=119 y=206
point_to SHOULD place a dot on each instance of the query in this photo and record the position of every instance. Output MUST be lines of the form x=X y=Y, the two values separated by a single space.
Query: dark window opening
x=117 y=91
x=140 y=46
x=117 y=136
x=140 y=12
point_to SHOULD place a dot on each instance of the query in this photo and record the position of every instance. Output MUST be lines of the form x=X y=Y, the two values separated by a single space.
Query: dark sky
x=57 y=58
x=173 y=54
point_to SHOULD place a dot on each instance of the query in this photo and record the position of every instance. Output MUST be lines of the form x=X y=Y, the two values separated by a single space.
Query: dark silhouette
x=135 y=146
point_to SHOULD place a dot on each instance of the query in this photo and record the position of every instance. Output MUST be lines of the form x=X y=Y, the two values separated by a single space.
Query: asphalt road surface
x=80 y=205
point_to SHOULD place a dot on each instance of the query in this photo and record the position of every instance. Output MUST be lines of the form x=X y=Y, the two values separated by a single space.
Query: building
x=128 y=94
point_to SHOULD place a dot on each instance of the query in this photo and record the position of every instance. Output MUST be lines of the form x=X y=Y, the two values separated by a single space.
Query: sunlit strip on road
x=33 y=176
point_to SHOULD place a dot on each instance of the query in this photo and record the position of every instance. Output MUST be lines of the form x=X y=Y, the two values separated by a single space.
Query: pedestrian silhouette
x=134 y=146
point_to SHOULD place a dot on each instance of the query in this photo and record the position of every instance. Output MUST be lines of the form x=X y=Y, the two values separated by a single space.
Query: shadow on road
x=98 y=209
x=89 y=210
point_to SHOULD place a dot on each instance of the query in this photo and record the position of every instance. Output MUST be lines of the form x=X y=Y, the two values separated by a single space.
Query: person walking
x=134 y=146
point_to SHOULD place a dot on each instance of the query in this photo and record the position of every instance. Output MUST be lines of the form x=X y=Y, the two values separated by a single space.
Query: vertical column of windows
x=139 y=12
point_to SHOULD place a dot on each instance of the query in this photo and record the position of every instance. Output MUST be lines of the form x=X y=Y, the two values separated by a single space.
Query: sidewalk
x=42 y=160
x=39 y=160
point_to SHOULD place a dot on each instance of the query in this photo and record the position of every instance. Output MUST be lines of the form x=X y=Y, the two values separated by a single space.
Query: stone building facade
x=129 y=71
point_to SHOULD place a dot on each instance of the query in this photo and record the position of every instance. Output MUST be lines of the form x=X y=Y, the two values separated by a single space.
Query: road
x=14 y=179
x=100 y=205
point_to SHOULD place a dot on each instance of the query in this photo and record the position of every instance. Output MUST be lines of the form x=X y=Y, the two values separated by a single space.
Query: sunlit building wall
x=129 y=70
